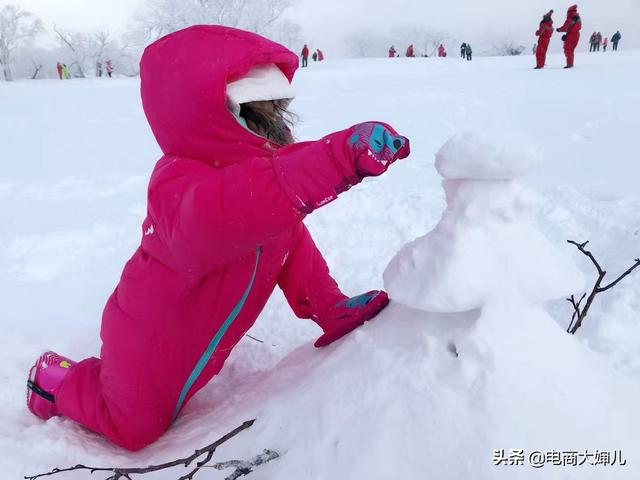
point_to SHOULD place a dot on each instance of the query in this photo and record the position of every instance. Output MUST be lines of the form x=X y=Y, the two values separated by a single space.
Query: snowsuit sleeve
x=208 y=216
x=571 y=24
x=305 y=279
x=565 y=25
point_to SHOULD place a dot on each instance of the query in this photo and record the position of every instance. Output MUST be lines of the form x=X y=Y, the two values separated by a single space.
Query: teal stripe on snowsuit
x=213 y=344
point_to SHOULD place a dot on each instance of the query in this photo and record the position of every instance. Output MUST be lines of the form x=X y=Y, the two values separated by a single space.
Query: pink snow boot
x=350 y=314
x=45 y=378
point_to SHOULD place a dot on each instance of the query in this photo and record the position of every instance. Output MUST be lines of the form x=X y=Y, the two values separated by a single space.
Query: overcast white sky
x=326 y=22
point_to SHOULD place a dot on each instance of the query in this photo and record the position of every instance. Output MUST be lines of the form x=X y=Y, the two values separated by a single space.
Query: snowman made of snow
x=486 y=248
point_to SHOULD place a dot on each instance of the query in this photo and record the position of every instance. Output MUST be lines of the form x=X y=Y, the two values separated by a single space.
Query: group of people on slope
x=465 y=51
x=63 y=70
x=596 y=41
x=571 y=29
x=317 y=56
x=410 y=52
x=108 y=68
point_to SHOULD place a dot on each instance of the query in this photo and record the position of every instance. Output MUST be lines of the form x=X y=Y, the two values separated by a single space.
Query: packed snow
x=485 y=155
x=452 y=370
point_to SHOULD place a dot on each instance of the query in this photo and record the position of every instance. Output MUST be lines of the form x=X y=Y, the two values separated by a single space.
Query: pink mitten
x=377 y=146
x=350 y=314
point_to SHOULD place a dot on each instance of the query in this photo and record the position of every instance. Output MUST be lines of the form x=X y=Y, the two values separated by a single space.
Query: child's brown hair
x=270 y=119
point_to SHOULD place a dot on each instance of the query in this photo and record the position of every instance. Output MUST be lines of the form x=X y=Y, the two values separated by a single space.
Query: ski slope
x=76 y=157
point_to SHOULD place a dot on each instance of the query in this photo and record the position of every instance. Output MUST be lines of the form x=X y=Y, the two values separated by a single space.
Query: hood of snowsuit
x=184 y=76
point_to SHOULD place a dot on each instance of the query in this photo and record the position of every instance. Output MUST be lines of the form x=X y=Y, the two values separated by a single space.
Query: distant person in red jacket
x=410 y=52
x=392 y=52
x=320 y=55
x=605 y=44
x=572 y=26
x=544 y=32
x=305 y=55
x=59 y=68
x=441 y=51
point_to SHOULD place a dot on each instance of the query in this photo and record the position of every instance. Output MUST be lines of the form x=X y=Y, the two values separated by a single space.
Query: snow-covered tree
x=17 y=28
x=160 y=17
x=369 y=43
x=508 y=48
x=79 y=47
x=86 y=50
x=36 y=62
x=425 y=40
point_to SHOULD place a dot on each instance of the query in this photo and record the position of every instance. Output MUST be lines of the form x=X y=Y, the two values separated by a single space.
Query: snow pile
x=477 y=156
x=487 y=242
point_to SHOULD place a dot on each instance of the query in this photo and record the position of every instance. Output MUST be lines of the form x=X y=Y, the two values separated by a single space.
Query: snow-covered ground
x=391 y=400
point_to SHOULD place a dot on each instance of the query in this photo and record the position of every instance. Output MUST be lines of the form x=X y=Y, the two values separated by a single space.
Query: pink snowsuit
x=223 y=228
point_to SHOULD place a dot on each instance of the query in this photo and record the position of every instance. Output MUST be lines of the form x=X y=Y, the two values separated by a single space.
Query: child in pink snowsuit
x=224 y=226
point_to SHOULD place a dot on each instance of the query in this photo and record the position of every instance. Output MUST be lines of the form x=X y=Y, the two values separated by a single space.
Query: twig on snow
x=253 y=338
x=579 y=314
x=126 y=473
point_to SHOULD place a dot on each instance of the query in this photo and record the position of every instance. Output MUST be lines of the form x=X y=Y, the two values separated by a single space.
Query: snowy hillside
x=411 y=394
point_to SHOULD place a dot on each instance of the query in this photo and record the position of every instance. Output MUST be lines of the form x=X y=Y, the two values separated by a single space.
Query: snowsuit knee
x=223 y=228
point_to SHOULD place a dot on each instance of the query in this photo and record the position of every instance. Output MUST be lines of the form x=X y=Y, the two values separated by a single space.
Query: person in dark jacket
x=592 y=42
x=315 y=56
x=468 y=51
x=544 y=33
x=463 y=50
x=615 y=39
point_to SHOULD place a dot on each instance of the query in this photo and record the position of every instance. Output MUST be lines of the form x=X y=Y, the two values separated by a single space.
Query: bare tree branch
x=36 y=69
x=119 y=473
x=579 y=314
x=588 y=254
x=253 y=338
x=627 y=272
x=576 y=309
